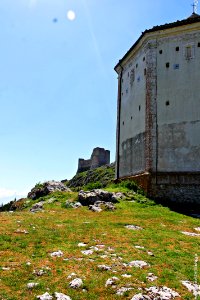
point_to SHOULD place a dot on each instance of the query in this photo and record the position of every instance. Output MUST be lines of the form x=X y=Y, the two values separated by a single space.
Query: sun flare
x=71 y=15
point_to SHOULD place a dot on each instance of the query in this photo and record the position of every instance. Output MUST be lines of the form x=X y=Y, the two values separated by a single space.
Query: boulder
x=37 y=207
x=47 y=188
x=101 y=205
x=87 y=198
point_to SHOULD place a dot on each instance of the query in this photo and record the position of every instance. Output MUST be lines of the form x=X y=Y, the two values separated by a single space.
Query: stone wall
x=99 y=157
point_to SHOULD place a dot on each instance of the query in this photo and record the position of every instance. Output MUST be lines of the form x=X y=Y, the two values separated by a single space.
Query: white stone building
x=158 y=122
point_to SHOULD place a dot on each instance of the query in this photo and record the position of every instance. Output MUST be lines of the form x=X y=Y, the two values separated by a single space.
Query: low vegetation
x=28 y=239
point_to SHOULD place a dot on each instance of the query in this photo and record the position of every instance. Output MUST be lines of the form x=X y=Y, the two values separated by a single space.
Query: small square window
x=177 y=49
x=145 y=72
x=160 y=51
x=167 y=65
x=143 y=58
x=198 y=45
x=128 y=74
x=167 y=103
x=136 y=65
x=176 y=66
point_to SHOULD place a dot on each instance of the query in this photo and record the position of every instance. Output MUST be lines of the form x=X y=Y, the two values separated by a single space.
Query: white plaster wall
x=178 y=122
x=132 y=97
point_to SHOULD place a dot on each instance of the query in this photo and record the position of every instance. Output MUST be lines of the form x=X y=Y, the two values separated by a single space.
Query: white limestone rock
x=190 y=233
x=82 y=245
x=58 y=253
x=60 y=296
x=104 y=267
x=87 y=252
x=164 y=292
x=111 y=281
x=139 y=247
x=76 y=283
x=151 y=277
x=192 y=287
x=71 y=275
x=45 y=296
x=133 y=227
x=138 y=264
x=121 y=291
x=31 y=285
x=126 y=275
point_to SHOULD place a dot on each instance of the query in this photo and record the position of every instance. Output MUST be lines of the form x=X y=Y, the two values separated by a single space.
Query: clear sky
x=58 y=89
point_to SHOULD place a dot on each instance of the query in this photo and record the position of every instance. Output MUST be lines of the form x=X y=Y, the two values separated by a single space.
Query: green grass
x=58 y=228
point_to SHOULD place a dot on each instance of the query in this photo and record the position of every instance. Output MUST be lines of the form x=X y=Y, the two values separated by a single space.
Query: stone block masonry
x=99 y=157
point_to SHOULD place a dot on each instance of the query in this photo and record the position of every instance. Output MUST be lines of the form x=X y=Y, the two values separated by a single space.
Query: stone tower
x=158 y=119
x=99 y=157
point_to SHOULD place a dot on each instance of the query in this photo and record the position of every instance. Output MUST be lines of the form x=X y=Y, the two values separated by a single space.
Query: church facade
x=158 y=111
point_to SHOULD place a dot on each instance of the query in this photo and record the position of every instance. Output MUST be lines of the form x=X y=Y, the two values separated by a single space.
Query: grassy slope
x=59 y=228
x=96 y=178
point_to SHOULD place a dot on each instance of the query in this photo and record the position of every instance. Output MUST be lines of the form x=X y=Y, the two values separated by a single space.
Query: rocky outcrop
x=93 y=196
x=47 y=188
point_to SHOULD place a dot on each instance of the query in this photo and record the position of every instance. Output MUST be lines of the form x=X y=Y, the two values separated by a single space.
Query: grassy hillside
x=96 y=178
x=27 y=240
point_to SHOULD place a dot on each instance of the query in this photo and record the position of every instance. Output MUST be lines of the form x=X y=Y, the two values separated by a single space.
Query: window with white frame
x=189 y=51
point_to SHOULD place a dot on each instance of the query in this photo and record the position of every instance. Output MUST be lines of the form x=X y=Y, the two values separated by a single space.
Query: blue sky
x=58 y=89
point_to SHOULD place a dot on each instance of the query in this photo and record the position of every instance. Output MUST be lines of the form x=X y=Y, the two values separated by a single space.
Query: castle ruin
x=99 y=157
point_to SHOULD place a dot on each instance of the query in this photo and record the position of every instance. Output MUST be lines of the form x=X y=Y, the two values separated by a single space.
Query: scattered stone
x=133 y=227
x=60 y=296
x=164 y=292
x=82 y=245
x=190 y=233
x=123 y=290
x=22 y=231
x=150 y=253
x=100 y=246
x=28 y=263
x=118 y=196
x=104 y=267
x=95 y=208
x=139 y=247
x=77 y=205
x=71 y=275
x=31 y=285
x=94 y=248
x=104 y=256
x=51 y=200
x=192 y=287
x=39 y=272
x=45 y=296
x=47 y=188
x=151 y=277
x=126 y=275
x=87 y=252
x=111 y=281
x=197 y=228
x=5 y=268
x=37 y=207
x=58 y=253
x=76 y=283
x=138 y=264
x=69 y=204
